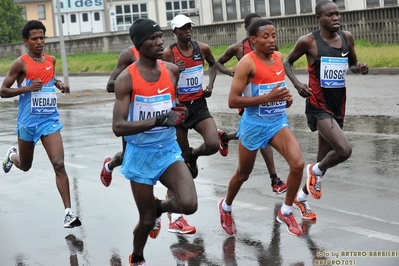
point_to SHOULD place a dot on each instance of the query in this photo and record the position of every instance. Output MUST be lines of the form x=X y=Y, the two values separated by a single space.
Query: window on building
x=174 y=8
x=73 y=18
x=305 y=6
x=96 y=16
x=231 y=9
x=127 y=14
x=372 y=3
x=275 y=9
x=340 y=4
x=85 y=17
x=390 y=2
x=245 y=6
x=290 y=7
x=62 y=19
x=217 y=10
x=41 y=12
x=260 y=7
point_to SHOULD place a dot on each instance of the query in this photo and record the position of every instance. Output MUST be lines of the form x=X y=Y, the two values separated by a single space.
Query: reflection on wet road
x=358 y=211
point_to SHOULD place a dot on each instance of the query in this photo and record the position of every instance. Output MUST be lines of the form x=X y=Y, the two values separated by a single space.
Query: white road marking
x=369 y=217
x=352 y=229
x=370 y=233
x=78 y=166
x=241 y=204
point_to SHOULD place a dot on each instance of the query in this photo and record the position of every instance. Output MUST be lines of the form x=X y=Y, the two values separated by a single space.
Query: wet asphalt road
x=358 y=213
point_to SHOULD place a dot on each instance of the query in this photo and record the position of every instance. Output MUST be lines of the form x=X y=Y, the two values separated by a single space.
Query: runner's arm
x=230 y=52
x=126 y=57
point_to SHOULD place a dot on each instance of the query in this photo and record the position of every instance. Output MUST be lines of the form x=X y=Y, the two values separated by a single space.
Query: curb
x=372 y=71
x=299 y=71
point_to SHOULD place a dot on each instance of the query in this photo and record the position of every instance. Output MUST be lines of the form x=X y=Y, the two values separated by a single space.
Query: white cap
x=180 y=20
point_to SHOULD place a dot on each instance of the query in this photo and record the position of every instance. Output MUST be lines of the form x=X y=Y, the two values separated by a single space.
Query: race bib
x=190 y=80
x=333 y=72
x=271 y=108
x=44 y=101
x=146 y=107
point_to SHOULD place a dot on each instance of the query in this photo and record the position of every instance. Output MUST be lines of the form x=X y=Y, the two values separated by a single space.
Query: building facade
x=100 y=16
x=39 y=10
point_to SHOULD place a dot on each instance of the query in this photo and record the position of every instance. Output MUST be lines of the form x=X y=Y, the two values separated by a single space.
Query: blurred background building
x=101 y=16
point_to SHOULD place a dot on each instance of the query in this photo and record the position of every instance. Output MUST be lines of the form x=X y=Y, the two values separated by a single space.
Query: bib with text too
x=191 y=80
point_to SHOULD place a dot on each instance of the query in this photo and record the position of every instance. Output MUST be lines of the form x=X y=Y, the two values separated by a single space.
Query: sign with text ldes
x=80 y=5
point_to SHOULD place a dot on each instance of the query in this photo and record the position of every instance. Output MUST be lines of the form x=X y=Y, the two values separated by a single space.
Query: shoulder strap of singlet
x=196 y=50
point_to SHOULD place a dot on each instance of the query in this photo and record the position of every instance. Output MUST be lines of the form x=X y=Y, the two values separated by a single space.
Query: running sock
x=226 y=207
x=10 y=156
x=316 y=170
x=301 y=196
x=285 y=209
x=174 y=217
x=136 y=258
x=109 y=171
x=68 y=210
x=272 y=177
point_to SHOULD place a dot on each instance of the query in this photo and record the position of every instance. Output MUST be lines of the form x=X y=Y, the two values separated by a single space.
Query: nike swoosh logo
x=344 y=54
x=154 y=25
x=47 y=68
x=279 y=72
x=162 y=90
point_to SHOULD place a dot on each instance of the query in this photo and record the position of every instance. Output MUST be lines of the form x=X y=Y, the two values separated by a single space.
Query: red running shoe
x=226 y=220
x=313 y=182
x=306 y=212
x=181 y=226
x=289 y=220
x=223 y=145
x=106 y=177
x=278 y=186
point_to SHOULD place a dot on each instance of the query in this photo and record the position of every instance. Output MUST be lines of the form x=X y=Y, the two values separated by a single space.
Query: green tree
x=11 y=22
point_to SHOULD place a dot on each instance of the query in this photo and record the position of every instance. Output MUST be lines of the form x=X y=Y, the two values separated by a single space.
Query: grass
x=374 y=54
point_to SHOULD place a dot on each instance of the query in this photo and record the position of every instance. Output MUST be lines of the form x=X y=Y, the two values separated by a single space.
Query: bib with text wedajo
x=44 y=101
x=333 y=72
x=271 y=108
x=146 y=107
x=191 y=80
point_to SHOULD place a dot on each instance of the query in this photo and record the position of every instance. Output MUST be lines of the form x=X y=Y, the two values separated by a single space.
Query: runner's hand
x=363 y=68
x=36 y=85
x=303 y=90
x=289 y=101
x=180 y=64
x=182 y=109
x=175 y=117
x=208 y=91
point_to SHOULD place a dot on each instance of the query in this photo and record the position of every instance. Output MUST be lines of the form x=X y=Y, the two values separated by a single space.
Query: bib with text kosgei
x=191 y=80
x=333 y=71
x=146 y=107
x=44 y=101
x=271 y=108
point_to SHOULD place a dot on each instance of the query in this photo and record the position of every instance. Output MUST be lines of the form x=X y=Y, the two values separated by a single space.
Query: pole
x=62 y=46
